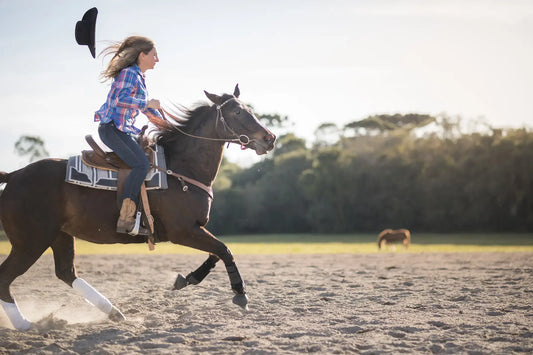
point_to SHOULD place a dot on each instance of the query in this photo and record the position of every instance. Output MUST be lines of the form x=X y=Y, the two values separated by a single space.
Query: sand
x=478 y=303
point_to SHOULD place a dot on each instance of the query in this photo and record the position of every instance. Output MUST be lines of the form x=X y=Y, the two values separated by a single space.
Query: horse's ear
x=217 y=100
x=236 y=92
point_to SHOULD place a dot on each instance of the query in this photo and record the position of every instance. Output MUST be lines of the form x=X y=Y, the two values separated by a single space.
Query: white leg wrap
x=14 y=315
x=92 y=296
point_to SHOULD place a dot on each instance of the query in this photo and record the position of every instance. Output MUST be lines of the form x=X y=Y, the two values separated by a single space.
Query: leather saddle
x=98 y=158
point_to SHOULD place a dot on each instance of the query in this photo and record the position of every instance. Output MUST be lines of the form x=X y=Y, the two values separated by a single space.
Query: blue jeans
x=128 y=150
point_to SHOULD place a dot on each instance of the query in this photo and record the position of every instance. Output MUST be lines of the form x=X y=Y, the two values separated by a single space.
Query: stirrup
x=137 y=228
x=133 y=227
x=141 y=232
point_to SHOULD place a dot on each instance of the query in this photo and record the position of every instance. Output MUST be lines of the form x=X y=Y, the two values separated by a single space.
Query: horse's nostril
x=269 y=138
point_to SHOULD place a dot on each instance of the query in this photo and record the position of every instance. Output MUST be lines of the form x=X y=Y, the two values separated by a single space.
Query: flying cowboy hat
x=86 y=28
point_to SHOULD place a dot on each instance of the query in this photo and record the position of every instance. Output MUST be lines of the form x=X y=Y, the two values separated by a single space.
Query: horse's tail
x=3 y=177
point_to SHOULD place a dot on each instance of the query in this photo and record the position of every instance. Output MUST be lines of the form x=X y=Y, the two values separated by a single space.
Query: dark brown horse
x=39 y=210
x=389 y=236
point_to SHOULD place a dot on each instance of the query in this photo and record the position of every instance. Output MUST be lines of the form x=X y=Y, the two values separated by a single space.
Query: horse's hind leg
x=195 y=277
x=16 y=264
x=63 y=248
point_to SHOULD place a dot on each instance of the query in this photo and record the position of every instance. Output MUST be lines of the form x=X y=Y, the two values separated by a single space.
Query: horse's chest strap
x=183 y=179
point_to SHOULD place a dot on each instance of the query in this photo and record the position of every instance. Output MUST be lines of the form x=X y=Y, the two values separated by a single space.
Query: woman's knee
x=146 y=166
x=142 y=165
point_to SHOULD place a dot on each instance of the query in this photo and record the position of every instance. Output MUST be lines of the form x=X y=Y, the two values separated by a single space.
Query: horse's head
x=240 y=124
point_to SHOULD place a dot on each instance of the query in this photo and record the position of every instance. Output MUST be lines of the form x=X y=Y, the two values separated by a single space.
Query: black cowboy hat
x=86 y=28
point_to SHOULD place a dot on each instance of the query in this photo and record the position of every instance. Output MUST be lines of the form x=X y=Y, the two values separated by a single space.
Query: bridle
x=241 y=139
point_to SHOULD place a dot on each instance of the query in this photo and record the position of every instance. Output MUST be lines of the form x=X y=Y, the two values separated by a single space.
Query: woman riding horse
x=128 y=95
x=62 y=212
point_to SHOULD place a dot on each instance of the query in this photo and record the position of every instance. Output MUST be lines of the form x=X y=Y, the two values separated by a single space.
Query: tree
x=385 y=175
x=380 y=124
x=327 y=134
x=288 y=143
x=272 y=120
x=32 y=146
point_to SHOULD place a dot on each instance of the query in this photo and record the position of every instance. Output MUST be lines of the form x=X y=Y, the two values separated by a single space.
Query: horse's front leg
x=202 y=239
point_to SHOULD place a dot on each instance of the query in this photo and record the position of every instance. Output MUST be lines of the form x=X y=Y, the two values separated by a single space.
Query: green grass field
x=325 y=244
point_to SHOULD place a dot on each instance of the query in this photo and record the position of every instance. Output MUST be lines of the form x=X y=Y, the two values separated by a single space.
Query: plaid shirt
x=127 y=96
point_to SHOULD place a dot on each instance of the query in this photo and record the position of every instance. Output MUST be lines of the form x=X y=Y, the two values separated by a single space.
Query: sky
x=334 y=61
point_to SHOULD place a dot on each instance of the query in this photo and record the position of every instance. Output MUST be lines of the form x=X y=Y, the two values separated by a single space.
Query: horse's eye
x=237 y=112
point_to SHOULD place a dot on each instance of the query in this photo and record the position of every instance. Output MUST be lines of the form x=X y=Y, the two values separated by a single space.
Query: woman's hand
x=153 y=103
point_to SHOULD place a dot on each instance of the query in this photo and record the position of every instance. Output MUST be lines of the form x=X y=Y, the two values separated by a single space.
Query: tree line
x=410 y=171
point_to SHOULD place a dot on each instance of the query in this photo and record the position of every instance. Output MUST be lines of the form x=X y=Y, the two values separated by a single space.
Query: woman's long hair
x=125 y=54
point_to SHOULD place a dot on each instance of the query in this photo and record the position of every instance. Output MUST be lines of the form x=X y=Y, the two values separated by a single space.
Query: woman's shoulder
x=129 y=73
x=132 y=69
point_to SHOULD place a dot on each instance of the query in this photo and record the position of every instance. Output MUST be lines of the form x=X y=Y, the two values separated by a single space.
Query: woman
x=128 y=95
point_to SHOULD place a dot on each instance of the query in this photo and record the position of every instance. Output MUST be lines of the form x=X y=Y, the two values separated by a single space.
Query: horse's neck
x=197 y=158
x=199 y=161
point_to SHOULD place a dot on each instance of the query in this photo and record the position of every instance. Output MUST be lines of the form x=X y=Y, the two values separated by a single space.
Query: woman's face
x=147 y=61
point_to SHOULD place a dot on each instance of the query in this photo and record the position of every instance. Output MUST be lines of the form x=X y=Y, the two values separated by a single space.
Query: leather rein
x=242 y=139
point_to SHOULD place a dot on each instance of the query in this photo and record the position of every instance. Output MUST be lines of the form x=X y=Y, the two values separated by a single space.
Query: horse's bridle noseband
x=241 y=139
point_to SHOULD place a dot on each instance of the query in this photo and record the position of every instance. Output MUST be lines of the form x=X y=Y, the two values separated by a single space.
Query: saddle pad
x=79 y=173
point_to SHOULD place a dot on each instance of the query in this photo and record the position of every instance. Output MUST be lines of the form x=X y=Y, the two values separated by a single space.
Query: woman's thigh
x=123 y=145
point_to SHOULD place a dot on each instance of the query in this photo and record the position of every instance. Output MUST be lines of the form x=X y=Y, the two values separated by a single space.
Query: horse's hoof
x=23 y=326
x=116 y=315
x=180 y=283
x=241 y=300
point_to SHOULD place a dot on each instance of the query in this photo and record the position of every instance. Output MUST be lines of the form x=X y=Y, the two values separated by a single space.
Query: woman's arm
x=152 y=108
x=150 y=111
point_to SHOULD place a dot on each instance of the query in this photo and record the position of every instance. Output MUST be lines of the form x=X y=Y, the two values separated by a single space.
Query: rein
x=242 y=139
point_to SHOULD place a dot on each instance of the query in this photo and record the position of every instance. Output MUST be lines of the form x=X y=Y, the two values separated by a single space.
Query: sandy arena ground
x=330 y=304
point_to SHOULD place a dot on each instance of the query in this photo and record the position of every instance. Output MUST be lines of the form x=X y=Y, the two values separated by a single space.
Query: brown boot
x=126 y=221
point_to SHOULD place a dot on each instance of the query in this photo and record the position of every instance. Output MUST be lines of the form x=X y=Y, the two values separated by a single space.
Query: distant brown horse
x=389 y=236
x=38 y=209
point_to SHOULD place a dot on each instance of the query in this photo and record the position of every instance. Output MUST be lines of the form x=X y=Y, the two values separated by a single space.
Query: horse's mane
x=182 y=118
